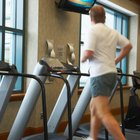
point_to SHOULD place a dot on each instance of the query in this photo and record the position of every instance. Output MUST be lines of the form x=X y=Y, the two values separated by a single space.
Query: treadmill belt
x=41 y=137
x=83 y=131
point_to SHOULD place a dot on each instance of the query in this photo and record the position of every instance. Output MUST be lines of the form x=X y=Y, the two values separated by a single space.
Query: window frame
x=16 y=33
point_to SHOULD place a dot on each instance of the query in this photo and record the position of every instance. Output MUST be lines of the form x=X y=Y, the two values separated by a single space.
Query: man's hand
x=124 y=52
x=87 y=55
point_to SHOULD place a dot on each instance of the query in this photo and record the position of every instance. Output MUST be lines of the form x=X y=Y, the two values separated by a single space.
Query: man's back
x=103 y=41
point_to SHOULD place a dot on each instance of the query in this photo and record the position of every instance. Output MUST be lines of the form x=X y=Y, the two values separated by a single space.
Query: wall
x=61 y=27
x=46 y=21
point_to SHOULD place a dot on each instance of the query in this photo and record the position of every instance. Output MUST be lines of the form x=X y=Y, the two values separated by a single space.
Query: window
x=12 y=34
x=114 y=20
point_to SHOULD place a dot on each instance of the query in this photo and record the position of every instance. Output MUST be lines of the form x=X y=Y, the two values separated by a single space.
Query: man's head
x=97 y=14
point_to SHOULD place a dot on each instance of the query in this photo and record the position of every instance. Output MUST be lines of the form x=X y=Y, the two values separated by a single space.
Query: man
x=100 y=51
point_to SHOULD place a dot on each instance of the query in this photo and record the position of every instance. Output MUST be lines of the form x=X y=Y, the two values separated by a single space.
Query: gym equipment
x=4 y=67
x=7 y=84
x=132 y=133
x=81 y=106
x=132 y=118
x=28 y=104
x=46 y=67
x=83 y=130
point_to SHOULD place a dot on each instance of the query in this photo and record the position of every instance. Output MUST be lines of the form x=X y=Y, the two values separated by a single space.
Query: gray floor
x=77 y=138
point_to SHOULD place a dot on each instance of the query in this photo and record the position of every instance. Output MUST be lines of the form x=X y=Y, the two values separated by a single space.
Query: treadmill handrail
x=43 y=96
x=71 y=73
x=68 y=99
x=128 y=75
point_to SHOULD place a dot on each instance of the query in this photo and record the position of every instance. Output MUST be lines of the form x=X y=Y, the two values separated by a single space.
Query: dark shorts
x=103 y=85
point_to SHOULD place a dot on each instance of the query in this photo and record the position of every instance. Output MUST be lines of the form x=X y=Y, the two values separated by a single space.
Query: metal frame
x=7 y=85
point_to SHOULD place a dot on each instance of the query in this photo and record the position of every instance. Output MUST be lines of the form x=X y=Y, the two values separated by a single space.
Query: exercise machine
x=132 y=118
x=28 y=104
x=9 y=75
x=83 y=130
x=48 y=66
x=7 y=84
x=84 y=99
x=43 y=69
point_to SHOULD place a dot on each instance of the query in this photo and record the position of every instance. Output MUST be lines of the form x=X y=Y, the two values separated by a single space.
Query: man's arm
x=123 y=53
x=87 y=55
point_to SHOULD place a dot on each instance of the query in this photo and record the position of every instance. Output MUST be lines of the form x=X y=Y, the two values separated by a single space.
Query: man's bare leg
x=101 y=105
x=95 y=122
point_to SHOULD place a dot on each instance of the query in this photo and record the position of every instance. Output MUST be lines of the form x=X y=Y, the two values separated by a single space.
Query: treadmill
x=7 y=84
x=9 y=76
x=27 y=106
x=131 y=122
x=84 y=99
x=44 y=68
x=83 y=130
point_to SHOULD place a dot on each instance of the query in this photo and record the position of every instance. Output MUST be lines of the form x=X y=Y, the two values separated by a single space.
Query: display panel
x=80 y=6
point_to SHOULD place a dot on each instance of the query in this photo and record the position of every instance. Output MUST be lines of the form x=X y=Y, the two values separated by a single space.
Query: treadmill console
x=4 y=66
x=54 y=65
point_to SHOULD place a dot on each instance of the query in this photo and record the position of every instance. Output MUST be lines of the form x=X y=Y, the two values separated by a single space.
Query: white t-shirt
x=103 y=41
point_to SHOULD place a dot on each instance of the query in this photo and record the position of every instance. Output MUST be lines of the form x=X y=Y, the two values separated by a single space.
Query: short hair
x=97 y=14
